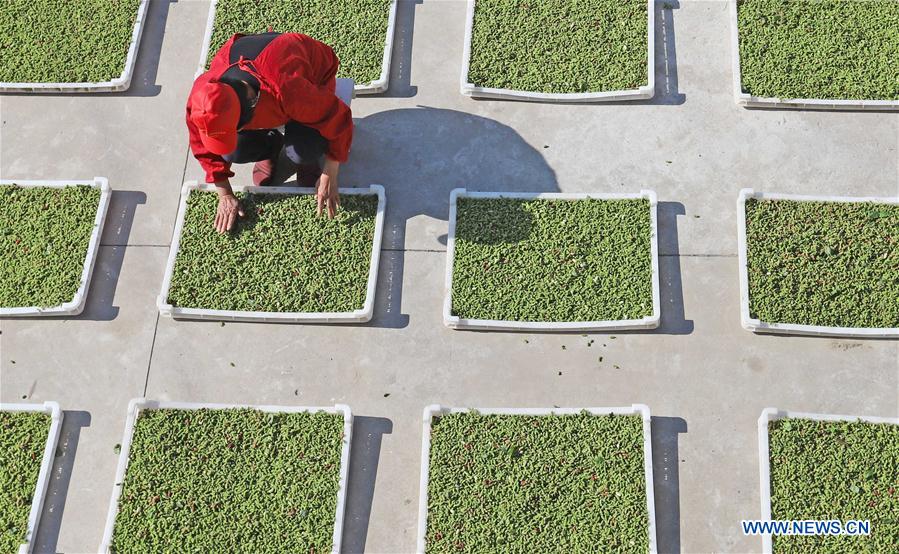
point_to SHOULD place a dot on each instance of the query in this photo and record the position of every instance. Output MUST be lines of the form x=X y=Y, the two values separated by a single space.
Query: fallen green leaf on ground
x=559 y=46
x=826 y=470
x=44 y=237
x=65 y=41
x=355 y=29
x=234 y=480
x=511 y=483
x=23 y=438
x=832 y=264
x=281 y=257
x=552 y=260
x=819 y=49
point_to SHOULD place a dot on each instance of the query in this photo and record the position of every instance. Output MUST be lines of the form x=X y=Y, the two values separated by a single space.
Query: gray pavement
x=705 y=379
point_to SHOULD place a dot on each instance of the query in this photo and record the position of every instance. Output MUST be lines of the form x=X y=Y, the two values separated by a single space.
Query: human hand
x=228 y=211
x=326 y=195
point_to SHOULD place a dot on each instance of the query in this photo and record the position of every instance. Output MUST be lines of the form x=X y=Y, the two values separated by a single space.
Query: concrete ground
x=705 y=379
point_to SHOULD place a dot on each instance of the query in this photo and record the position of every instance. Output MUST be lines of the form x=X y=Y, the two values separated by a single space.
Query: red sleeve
x=216 y=168
x=319 y=108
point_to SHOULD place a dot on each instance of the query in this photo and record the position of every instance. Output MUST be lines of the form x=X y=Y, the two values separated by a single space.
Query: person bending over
x=254 y=85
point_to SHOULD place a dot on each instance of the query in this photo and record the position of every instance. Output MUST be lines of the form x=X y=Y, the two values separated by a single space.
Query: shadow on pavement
x=143 y=82
x=666 y=56
x=108 y=266
x=671 y=291
x=401 y=59
x=105 y=279
x=420 y=155
x=120 y=216
x=364 y=455
x=666 y=481
x=389 y=295
x=58 y=487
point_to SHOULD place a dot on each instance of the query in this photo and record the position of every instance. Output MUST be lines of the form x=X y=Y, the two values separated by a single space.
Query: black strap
x=249 y=46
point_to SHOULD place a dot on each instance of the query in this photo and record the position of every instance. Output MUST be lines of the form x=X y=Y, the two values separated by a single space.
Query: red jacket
x=296 y=74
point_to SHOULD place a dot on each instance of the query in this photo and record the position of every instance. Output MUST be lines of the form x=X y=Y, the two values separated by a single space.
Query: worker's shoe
x=308 y=174
x=263 y=171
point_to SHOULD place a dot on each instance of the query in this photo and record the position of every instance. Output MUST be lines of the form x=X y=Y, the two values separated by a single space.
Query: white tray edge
x=362 y=315
x=756 y=325
x=120 y=83
x=643 y=92
x=377 y=86
x=771 y=414
x=43 y=479
x=138 y=404
x=455 y=322
x=76 y=305
x=750 y=101
x=436 y=409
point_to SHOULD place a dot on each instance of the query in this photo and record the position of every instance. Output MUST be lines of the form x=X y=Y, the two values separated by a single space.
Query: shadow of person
x=483 y=222
x=421 y=154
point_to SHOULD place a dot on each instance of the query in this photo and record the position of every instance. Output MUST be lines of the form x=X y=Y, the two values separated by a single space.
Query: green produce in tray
x=819 y=49
x=515 y=483
x=44 y=237
x=281 y=257
x=23 y=438
x=355 y=29
x=826 y=470
x=232 y=480
x=65 y=41
x=552 y=260
x=560 y=46
x=832 y=264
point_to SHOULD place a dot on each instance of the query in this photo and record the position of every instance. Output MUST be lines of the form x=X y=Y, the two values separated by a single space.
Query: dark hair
x=248 y=47
x=246 y=110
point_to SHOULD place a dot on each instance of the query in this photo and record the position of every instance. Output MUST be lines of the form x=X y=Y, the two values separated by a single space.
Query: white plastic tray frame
x=749 y=101
x=377 y=86
x=361 y=315
x=772 y=414
x=43 y=479
x=118 y=84
x=436 y=410
x=138 y=404
x=758 y=326
x=76 y=305
x=456 y=322
x=641 y=93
